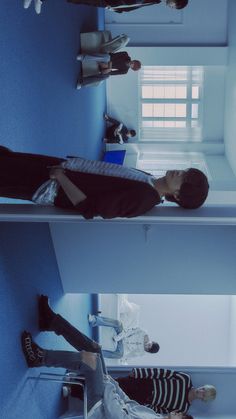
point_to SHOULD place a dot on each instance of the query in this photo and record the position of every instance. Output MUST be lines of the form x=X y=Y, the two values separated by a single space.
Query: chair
x=67 y=378
x=99 y=42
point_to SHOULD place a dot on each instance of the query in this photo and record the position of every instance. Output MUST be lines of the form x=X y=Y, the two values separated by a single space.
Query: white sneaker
x=78 y=86
x=80 y=57
x=37 y=6
x=91 y=318
x=27 y=3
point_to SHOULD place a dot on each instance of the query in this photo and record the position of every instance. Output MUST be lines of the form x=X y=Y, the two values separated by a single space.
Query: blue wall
x=171 y=259
x=40 y=109
x=201 y=23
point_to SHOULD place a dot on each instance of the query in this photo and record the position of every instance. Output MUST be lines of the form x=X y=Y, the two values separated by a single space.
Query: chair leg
x=67 y=378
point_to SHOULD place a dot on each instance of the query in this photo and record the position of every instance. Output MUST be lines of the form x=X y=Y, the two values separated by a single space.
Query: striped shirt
x=168 y=391
x=46 y=193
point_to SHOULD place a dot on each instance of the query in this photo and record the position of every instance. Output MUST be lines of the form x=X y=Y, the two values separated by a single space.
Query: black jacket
x=110 y=197
x=120 y=63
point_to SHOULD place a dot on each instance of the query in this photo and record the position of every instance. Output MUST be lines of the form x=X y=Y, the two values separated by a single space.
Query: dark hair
x=187 y=417
x=132 y=132
x=137 y=65
x=181 y=4
x=193 y=191
x=154 y=348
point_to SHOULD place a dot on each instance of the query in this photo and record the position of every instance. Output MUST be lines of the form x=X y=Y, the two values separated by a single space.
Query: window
x=171 y=103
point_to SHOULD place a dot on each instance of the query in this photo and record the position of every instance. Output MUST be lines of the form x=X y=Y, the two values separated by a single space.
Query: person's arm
x=75 y=195
x=119 y=128
x=146 y=338
x=114 y=402
x=117 y=72
x=106 y=68
x=150 y=373
x=127 y=202
x=106 y=71
x=119 y=134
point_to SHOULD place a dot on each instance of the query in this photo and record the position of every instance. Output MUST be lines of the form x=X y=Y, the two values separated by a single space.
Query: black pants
x=22 y=173
x=72 y=360
x=75 y=338
x=137 y=389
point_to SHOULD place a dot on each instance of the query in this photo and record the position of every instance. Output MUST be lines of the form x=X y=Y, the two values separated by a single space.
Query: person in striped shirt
x=164 y=390
x=105 y=400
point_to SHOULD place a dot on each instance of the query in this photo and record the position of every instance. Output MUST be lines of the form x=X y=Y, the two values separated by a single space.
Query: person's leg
x=112 y=120
x=104 y=58
x=110 y=133
x=87 y=363
x=115 y=324
x=50 y=321
x=21 y=174
x=106 y=322
x=117 y=353
x=78 y=361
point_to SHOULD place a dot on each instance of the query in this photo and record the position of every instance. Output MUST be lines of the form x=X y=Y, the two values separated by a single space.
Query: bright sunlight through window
x=171 y=103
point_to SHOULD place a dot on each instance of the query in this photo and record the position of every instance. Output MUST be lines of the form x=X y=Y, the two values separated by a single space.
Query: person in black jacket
x=96 y=188
x=117 y=132
x=118 y=6
x=112 y=64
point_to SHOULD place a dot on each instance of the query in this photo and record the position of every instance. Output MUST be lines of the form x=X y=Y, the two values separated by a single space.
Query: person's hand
x=106 y=71
x=56 y=172
x=105 y=68
x=176 y=415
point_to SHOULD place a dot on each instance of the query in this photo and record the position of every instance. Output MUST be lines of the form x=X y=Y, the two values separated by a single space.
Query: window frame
x=189 y=132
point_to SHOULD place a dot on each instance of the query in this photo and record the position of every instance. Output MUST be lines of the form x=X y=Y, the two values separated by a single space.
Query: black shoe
x=45 y=313
x=34 y=355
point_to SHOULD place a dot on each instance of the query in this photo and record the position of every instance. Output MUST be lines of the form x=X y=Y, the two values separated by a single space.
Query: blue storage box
x=114 y=156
